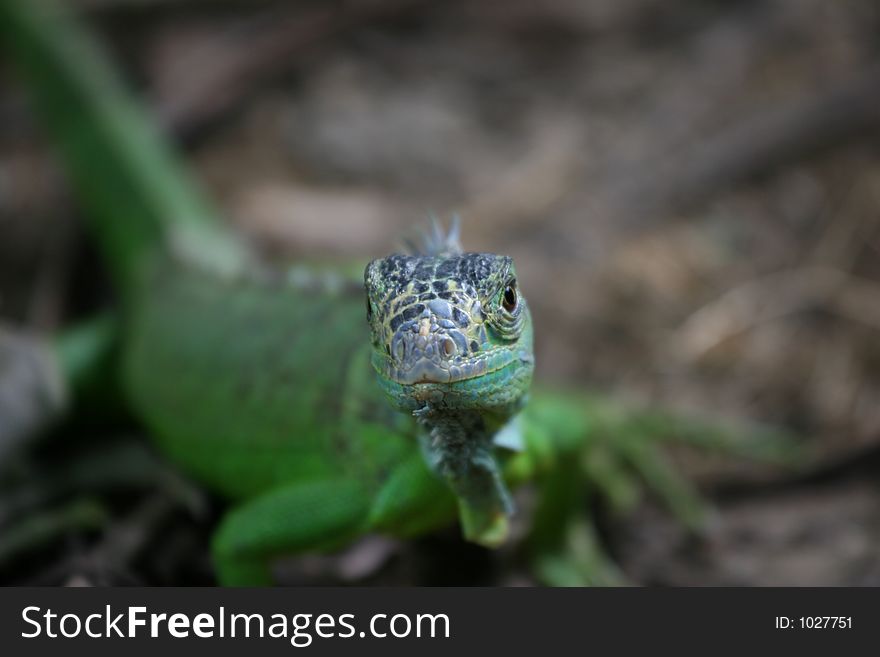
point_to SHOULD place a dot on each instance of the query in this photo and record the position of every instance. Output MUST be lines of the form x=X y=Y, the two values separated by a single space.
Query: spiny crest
x=432 y=240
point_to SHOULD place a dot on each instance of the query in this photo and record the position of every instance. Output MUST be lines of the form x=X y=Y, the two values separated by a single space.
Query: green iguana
x=322 y=417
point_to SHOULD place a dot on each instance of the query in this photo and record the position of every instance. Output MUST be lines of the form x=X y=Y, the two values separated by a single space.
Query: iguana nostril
x=448 y=348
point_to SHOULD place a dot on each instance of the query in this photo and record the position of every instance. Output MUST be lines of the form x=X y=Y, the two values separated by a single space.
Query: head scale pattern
x=442 y=319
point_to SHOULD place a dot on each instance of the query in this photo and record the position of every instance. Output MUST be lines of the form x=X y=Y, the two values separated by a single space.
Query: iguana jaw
x=498 y=392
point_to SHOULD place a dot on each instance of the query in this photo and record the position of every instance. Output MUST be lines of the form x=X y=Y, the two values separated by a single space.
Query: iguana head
x=451 y=329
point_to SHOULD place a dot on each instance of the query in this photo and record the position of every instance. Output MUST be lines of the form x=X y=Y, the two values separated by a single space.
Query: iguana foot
x=599 y=451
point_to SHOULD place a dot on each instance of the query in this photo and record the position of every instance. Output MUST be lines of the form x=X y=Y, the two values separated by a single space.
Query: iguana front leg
x=314 y=515
x=325 y=514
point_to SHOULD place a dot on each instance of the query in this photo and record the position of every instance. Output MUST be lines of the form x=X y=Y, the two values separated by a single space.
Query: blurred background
x=690 y=189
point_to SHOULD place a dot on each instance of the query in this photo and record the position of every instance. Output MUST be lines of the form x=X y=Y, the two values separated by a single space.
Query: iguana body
x=266 y=386
x=262 y=388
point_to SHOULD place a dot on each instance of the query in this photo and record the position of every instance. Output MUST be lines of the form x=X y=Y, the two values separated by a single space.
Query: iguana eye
x=510 y=297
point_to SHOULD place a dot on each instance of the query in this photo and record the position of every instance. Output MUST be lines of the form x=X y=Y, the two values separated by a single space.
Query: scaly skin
x=267 y=387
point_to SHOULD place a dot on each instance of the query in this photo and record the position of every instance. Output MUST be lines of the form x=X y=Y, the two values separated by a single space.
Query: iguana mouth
x=427 y=371
x=427 y=367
